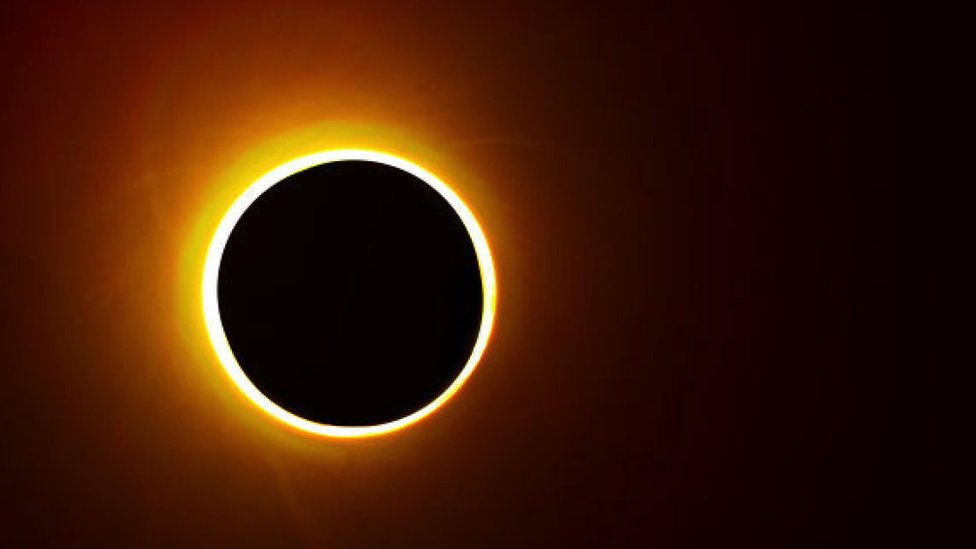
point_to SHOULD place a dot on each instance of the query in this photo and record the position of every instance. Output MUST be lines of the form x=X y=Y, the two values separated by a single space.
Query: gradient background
x=686 y=205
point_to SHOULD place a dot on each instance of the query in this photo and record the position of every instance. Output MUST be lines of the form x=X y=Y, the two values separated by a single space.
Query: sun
x=211 y=312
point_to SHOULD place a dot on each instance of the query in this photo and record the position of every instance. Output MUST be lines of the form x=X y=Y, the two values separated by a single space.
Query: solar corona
x=231 y=350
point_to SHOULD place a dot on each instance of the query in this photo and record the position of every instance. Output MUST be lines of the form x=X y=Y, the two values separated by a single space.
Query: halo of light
x=211 y=312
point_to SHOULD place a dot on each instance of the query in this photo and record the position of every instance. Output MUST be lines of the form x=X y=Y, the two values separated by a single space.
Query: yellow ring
x=215 y=328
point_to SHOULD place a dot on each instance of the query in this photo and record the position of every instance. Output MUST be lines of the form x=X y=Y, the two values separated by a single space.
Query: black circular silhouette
x=350 y=293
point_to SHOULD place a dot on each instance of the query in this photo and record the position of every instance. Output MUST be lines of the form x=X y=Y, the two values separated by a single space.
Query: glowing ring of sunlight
x=215 y=328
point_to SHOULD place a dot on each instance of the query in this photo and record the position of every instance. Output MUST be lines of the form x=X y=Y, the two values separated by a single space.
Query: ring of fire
x=215 y=327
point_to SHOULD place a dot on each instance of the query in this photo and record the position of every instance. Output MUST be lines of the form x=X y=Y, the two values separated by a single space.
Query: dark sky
x=690 y=210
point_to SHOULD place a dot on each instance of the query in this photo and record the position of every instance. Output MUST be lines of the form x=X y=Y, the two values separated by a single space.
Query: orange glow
x=211 y=312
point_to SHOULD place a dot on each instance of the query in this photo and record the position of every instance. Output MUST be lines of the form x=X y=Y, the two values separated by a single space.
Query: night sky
x=690 y=211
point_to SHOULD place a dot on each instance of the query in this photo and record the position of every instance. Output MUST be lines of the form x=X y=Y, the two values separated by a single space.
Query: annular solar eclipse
x=349 y=293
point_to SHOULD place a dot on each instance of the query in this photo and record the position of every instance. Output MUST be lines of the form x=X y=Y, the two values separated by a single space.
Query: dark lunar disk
x=350 y=293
